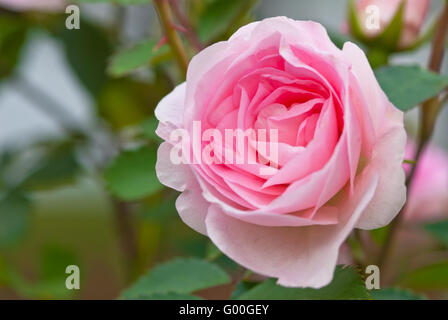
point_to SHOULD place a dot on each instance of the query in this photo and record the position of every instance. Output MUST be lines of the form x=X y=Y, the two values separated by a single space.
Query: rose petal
x=390 y=196
x=304 y=257
x=170 y=111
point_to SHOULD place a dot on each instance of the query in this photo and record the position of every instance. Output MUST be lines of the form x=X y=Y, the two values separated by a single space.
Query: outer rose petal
x=191 y=205
x=298 y=257
x=169 y=112
x=390 y=195
x=193 y=208
x=174 y=176
x=388 y=150
x=216 y=57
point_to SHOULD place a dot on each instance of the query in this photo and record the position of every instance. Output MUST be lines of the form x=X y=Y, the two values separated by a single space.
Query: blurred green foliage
x=347 y=284
x=132 y=175
x=439 y=230
x=12 y=37
x=416 y=84
x=15 y=218
x=179 y=276
x=395 y=294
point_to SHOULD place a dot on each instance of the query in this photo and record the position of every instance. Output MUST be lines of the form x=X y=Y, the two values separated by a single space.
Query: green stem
x=127 y=236
x=191 y=32
x=123 y=213
x=166 y=20
x=429 y=111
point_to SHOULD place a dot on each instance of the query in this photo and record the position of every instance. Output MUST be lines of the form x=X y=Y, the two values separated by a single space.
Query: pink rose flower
x=339 y=153
x=33 y=5
x=428 y=199
x=415 y=12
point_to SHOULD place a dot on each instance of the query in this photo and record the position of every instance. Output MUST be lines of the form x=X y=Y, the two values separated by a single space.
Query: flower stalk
x=428 y=117
x=166 y=20
x=190 y=33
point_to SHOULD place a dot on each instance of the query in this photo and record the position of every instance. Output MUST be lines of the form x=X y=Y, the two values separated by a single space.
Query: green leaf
x=124 y=102
x=135 y=57
x=394 y=294
x=439 y=230
x=181 y=276
x=346 y=284
x=132 y=174
x=219 y=15
x=13 y=33
x=408 y=86
x=15 y=210
x=87 y=51
x=168 y=296
x=162 y=209
x=432 y=277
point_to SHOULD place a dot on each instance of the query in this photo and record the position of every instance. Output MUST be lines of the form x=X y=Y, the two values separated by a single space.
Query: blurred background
x=77 y=142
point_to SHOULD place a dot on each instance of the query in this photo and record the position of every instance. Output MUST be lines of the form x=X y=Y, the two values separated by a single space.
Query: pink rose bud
x=281 y=145
x=428 y=199
x=33 y=5
x=414 y=15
